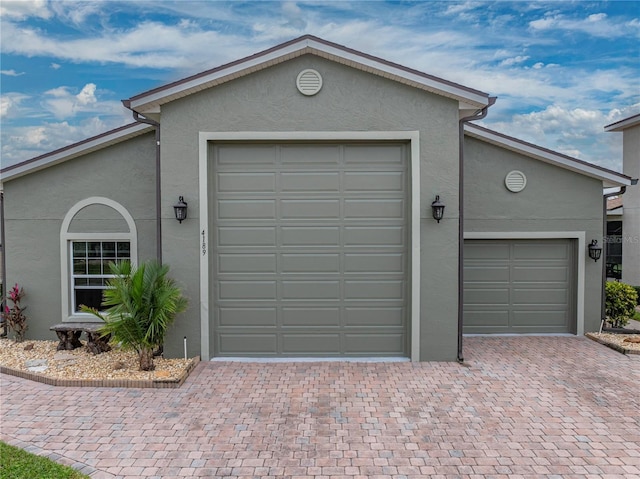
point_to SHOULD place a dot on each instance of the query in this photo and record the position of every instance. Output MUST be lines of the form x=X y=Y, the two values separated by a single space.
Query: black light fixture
x=180 y=209
x=438 y=209
x=594 y=250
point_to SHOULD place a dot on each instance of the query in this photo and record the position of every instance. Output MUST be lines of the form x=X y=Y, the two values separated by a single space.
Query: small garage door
x=520 y=286
x=310 y=250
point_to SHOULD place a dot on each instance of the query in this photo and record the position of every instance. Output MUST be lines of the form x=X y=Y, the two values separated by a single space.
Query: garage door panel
x=543 y=274
x=247 y=344
x=312 y=290
x=386 y=154
x=306 y=154
x=486 y=295
x=391 y=343
x=362 y=181
x=246 y=182
x=373 y=209
x=373 y=290
x=240 y=317
x=310 y=317
x=308 y=240
x=309 y=209
x=485 y=274
x=247 y=290
x=309 y=181
x=311 y=343
x=310 y=236
x=379 y=317
x=246 y=236
x=530 y=291
x=539 y=297
x=549 y=318
x=249 y=155
x=380 y=263
x=486 y=252
x=391 y=236
x=540 y=252
x=247 y=209
x=310 y=263
x=246 y=263
x=486 y=319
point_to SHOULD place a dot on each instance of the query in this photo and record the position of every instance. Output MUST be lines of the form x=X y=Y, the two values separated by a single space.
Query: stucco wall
x=350 y=100
x=554 y=200
x=631 y=208
x=36 y=204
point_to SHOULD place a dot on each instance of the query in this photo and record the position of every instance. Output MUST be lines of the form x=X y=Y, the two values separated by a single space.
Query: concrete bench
x=69 y=336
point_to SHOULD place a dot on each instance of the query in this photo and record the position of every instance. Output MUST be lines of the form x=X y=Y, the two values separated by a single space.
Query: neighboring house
x=624 y=222
x=309 y=171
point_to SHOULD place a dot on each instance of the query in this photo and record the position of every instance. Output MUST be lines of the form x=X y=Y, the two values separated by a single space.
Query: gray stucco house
x=624 y=211
x=309 y=171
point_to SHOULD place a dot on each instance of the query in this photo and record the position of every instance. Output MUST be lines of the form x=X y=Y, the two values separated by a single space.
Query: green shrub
x=637 y=288
x=620 y=303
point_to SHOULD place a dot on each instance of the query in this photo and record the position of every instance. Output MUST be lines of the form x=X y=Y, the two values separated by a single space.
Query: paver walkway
x=526 y=407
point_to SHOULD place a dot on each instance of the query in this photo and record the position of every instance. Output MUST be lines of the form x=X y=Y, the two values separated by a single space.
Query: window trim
x=105 y=275
x=66 y=237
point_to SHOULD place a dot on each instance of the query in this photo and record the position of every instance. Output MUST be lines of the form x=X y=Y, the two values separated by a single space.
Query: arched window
x=95 y=232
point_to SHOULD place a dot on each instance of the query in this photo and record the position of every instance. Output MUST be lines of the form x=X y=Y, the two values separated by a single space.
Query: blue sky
x=561 y=70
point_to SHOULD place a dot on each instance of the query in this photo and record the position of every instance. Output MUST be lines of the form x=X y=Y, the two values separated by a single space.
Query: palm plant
x=141 y=303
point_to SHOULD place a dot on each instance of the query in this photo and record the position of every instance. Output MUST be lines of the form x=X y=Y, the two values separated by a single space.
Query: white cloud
x=21 y=143
x=598 y=25
x=10 y=104
x=62 y=103
x=55 y=66
x=11 y=73
x=514 y=60
x=23 y=9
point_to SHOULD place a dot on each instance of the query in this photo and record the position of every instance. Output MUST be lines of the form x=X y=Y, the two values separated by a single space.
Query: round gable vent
x=515 y=181
x=309 y=82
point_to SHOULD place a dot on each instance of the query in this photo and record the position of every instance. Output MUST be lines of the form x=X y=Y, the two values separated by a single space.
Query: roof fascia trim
x=466 y=96
x=84 y=147
x=623 y=124
x=609 y=178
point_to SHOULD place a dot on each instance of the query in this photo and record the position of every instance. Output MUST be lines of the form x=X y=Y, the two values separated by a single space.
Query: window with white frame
x=91 y=271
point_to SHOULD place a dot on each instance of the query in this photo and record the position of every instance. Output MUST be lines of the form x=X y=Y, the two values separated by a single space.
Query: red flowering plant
x=14 y=316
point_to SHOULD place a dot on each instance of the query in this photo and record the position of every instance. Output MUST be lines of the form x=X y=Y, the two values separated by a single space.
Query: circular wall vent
x=309 y=82
x=515 y=181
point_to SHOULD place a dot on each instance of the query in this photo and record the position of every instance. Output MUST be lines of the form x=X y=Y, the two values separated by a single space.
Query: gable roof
x=83 y=147
x=624 y=124
x=608 y=177
x=151 y=101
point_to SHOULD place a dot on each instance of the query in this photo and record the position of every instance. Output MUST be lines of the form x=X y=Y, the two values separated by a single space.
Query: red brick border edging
x=104 y=383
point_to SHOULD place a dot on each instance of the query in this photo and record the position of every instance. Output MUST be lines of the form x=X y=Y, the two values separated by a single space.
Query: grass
x=16 y=463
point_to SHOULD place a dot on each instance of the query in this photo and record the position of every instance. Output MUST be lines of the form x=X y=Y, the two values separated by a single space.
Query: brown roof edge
x=629 y=119
x=291 y=42
x=68 y=147
x=547 y=150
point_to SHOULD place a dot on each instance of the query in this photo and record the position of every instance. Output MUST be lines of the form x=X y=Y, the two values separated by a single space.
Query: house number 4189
x=204 y=244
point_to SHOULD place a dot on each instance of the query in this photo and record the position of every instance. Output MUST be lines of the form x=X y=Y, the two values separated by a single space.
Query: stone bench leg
x=97 y=344
x=68 y=340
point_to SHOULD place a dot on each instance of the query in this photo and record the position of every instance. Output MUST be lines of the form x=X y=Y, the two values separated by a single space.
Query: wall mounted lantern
x=594 y=250
x=180 y=209
x=437 y=209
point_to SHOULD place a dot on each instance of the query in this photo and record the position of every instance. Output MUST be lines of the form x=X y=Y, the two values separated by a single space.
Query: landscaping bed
x=39 y=361
x=623 y=343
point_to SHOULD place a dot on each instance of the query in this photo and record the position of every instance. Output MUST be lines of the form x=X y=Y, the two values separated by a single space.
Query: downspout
x=141 y=119
x=605 y=246
x=478 y=115
x=3 y=268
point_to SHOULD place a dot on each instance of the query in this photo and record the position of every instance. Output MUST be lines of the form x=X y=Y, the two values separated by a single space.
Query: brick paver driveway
x=526 y=407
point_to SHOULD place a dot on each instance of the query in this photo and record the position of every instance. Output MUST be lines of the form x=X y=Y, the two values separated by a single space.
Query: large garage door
x=310 y=250
x=523 y=286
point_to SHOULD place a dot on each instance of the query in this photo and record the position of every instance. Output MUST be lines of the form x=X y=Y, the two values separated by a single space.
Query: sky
x=561 y=70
